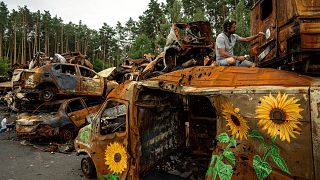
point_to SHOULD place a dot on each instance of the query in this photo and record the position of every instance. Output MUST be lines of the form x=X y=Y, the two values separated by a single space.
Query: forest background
x=24 y=33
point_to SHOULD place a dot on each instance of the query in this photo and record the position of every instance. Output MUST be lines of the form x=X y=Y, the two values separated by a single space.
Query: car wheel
x=66 y=134
x=47 y=94
x=88 y=168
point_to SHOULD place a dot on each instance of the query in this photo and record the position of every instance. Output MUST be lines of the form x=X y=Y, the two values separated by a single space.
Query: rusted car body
x=142 y=123
x=53 y=79
x=188 y=41
x=58 y=118
x=292 y=31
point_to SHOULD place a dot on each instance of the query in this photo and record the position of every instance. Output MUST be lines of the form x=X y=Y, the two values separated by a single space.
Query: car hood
x=106 y=73
x=44 y=118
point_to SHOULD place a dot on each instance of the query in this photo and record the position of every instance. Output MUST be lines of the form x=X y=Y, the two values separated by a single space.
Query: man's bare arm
x=224 y=54
x=250 y=38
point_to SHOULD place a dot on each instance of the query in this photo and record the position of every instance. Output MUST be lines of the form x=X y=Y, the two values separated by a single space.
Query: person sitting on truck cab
x=225 y=43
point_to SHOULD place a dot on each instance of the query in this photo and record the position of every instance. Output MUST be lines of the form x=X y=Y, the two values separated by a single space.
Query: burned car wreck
x=46 y=82
x=197 y=112
x=57 y=118
x=188 y=44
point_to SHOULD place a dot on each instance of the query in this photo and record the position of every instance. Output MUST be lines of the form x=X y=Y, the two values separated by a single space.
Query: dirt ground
x=27 y=162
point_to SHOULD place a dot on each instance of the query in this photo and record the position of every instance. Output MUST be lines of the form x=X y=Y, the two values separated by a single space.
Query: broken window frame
x=266 y=8
x=113 y=127
x=88 y=73
x=74 y=106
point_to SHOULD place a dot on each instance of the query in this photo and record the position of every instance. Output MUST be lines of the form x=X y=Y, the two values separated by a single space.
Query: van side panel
x=297 y=153
x=315 y=126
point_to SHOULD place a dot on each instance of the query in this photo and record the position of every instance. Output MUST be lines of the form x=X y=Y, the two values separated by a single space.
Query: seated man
x=224 y=46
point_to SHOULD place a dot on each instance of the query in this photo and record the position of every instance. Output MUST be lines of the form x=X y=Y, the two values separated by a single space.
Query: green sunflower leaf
x=214 y=173
x=262 y=168
x=230 y=156
x=255 y=134
x=233 y=142
x=209 y=171
x=280 y=163
x=274 y=150
x=223 y=137
x=224 y=170
x=213 y=159
x=111 y=177
x=262 y=145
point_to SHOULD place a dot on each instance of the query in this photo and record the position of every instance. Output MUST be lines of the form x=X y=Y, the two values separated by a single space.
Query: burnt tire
x=47 y=94
x=88 y=168
x=66 y=134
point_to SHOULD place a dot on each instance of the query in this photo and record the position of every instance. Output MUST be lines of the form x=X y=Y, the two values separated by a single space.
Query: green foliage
x=140 y=46
x=262 y=168
x=111 y=177
x=224 y=170
x=199 y=15
x=223 y=137
x=277 y=159
x=219 y=167
x=230 y=156
x=97 y=65
x=241 y=15
x=4 y=66
x=255 y=134
x=260 y=165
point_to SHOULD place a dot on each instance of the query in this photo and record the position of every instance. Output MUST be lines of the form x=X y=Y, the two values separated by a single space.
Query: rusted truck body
x=292 y=31
x=57 y=118
x=188 y=42
x=54 y=79
x=143 y=123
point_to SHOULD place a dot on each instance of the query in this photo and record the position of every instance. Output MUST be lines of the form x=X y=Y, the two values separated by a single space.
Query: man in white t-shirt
x=225 y=42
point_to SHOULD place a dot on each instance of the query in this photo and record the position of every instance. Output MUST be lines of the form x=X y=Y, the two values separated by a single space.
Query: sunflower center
x=117 y=157
x=235 y=120
x=277 y=115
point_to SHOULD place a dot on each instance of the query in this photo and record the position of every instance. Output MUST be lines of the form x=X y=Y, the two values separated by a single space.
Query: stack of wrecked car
x=235 y=122
x=71 y=93
x=46 y=82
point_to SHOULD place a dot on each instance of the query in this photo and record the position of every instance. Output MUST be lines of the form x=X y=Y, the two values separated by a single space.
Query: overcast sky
x=93 y=13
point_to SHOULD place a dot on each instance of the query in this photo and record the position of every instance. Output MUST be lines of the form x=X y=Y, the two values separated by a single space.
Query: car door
x=66 y=78
x=77 y=112
x=91 y=83
x=111 y=140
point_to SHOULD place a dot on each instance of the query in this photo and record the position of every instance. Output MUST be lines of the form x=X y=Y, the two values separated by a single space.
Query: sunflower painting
x=116 y=158
x=279 y=116
x=236 y=122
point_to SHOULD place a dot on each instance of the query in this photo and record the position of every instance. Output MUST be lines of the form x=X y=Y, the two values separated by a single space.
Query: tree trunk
x=1 y=45
x=61 y=41
x=14 y=44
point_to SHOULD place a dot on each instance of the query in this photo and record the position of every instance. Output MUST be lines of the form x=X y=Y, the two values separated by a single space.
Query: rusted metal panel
x=233 y=77
x=308 y=8
x=292 y=34
x=310 y=35
x=297 y=153
x=315 y=127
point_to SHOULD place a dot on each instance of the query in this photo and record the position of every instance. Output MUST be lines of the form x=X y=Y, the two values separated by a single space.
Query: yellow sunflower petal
x=288 y=125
